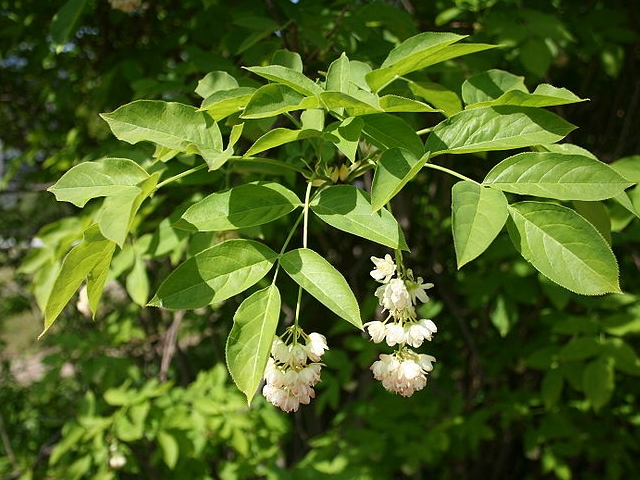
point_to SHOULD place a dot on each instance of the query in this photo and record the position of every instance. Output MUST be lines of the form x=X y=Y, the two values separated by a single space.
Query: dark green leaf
x=496 y=128
x=249 y=342
x=348 y=208
x=556 y=175
x=477 y=216
x=215 y=274
x=243 y=206
x=395 y=168
x=564 y=247
x=318 y=277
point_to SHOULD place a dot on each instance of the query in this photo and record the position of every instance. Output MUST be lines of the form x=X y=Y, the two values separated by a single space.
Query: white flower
x=395 y=334
x=298 y=355
x=310 y=374
x=417 y=290
x=280 y=351
x=416 y=333
x=395 y=297
x=316 y=346
x=377 y=330
x=426 y=362
x=384 y=268
x=401 y=373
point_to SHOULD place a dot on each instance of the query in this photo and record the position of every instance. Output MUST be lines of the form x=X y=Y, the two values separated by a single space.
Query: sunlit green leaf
x=564 y=247
x=437 y=95
x=339 y=75
x=243 y=206
x=348 y=208
x=170 y=448
x=213 y=82
x=169 y=124
x=215 y=274
x=291 y=78
x=227 y=102
x=273 y=99
x=419 y=52
x=279 y=136
x=496 y=128
x=477 y=216
x=80 y=262
x=137 y=282
x=249 y=343
x=554 y=175
x=318 y=277
x=105 y=177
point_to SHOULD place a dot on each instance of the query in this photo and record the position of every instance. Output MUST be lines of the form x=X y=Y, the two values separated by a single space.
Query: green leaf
x=65 y=22
x=387 y=131
x=273 y=99
x=437 y=95
x=628 y=167
x=544 y=96
x=102 y=178
x=243 y=206
x=490 y=85
x=318 y=277
x=496 y=128
x=291 y=78
x=118 y=212
x=418 y=52
x=89 y=255
x=215 y=274
x=504 y=315
x=168 y=124
x=395 y=168
x=137 y=282
x=598 y=381
x=477 y=216
x=564 y=247
x=624 y=356
x=214 y=162
x=280 y=136
x=551 y=387
x=348 y=208
x=339 y=75
x=580 y=348
x=213 y=82
x=249 y=342
x=556 y=175
x=170 y=449
x=222 y=104
x=597 y=215
x=346 y=136
x=396 y=103
x=356 y=104
x=287 y=59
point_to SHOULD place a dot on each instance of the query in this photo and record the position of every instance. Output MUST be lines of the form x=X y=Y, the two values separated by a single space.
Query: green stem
x=305 y=212
x=450 y=172
x=180 y=175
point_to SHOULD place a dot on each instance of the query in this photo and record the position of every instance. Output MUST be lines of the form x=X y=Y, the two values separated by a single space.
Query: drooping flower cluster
x=403 y=371
x=289 y=378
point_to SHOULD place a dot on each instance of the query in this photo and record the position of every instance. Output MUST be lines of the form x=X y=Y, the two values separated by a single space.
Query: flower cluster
x=289 y=378
x=404 y=371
